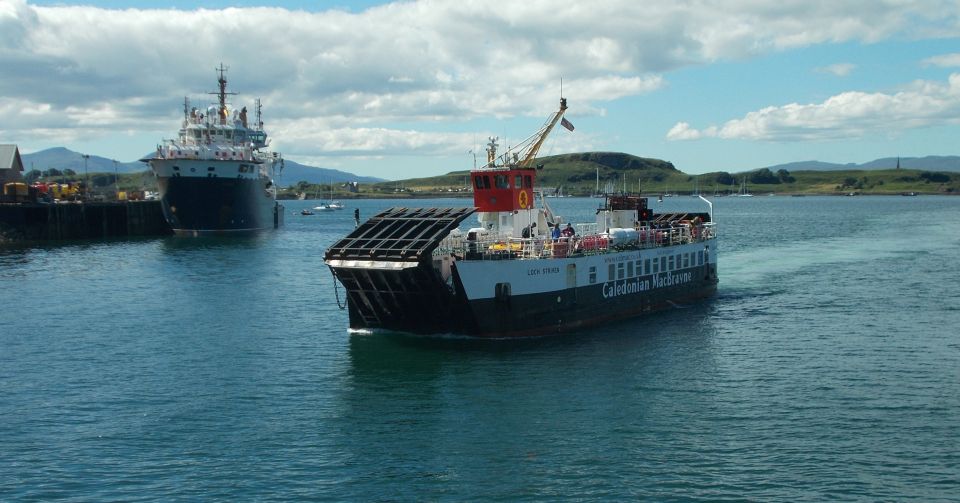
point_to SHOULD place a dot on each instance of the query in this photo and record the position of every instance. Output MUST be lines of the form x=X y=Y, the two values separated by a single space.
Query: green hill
x=577 y=174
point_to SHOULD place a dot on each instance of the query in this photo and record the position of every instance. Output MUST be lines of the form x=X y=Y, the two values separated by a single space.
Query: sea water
x=827 y=367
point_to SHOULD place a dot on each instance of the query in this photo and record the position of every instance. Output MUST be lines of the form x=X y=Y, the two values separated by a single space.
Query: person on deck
x=568 y=231
x=555 y=233
x=529 y=230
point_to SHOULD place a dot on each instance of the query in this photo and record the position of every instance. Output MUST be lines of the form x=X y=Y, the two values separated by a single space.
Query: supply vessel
x=522 y=270
x=217 y=176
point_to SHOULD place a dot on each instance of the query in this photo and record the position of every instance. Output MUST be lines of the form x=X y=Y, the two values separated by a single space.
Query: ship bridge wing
x=396 y=238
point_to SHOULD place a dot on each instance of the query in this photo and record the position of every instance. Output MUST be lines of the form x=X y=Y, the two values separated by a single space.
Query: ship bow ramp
x=392 y=278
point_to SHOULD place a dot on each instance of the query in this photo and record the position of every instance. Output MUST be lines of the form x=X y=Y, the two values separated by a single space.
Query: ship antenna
x=259 y=116
x=222 y=94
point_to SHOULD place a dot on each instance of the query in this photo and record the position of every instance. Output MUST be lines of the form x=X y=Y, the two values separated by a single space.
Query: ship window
x=678 y=261
x=228 y=133
x=663 y=264
x=501 y=181
x=593 y=274
x=629 y=269
x=686 y=260
x=478 y=182
x=517 y=181
x=656 y=266
x=646 y=266
x=670 y=263
x=196 y=133
x=700 y=257
x=527 y=182
x=620 y=270
x=612 y=272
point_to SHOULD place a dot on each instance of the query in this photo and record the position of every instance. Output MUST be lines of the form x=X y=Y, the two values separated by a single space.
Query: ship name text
x=636 y=285
x=545 y=270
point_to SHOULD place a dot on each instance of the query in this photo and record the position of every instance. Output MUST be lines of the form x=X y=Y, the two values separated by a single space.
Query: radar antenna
x=222 y=94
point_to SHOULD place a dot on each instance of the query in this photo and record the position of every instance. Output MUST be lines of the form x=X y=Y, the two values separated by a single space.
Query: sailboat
x=334 y=205
x=597 y=192
x=322 y=206
x=743 y=189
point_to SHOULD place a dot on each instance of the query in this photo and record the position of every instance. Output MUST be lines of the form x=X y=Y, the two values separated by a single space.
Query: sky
x=414 y=88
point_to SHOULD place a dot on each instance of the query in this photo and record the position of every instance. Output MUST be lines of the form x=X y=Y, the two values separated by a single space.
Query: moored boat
x=216 y=177
x=524 y=271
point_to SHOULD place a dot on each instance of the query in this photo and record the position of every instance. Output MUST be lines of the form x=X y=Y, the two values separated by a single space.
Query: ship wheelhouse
x=496 y=190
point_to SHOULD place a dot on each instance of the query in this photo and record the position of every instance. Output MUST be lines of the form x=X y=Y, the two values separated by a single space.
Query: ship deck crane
x=523 y=154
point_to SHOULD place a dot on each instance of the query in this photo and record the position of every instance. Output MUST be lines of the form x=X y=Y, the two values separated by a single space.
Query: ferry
x=216 y=177
x=415 y=270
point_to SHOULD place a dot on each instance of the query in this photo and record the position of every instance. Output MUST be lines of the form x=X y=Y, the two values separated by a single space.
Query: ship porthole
x=558 y=299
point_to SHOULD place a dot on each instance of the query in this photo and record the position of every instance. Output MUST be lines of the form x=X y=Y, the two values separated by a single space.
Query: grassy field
x=577 y=175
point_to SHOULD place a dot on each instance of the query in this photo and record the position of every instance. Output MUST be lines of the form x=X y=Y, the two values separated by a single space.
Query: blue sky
x=407 y=89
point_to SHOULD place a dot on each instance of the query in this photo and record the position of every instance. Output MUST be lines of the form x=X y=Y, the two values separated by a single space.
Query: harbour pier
x=84 y=220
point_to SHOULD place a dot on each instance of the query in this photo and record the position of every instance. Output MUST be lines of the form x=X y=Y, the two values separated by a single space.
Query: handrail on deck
x=498 y=247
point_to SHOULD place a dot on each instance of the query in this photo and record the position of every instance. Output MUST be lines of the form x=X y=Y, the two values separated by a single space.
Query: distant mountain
x=928 y=163
x=294 y=172
x=63 y=158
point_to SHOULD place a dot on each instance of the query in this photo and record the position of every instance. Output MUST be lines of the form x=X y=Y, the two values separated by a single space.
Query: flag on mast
x=567 y=124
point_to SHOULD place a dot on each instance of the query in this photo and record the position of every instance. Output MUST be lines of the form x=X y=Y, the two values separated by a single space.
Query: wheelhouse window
x=527 y=182
x=518 y=181
x=482 y=182
x=501 y=181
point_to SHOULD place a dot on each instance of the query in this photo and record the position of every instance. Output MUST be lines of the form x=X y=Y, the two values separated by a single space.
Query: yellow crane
x=523 y=154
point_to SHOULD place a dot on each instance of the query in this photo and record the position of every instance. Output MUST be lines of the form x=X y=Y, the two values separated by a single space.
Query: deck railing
x=586 y=242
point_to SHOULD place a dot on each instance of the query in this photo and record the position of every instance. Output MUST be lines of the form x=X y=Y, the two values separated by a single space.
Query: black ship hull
x=421 y=303
x=218 y=205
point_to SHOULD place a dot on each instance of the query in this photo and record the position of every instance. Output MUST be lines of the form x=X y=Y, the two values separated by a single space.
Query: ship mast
x=222 y=94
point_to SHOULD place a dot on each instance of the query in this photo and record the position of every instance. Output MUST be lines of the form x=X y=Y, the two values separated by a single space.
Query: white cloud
x=683 y=131
x=86 y=69
x=838 y=69
x=944 y=60
x=844 y=116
